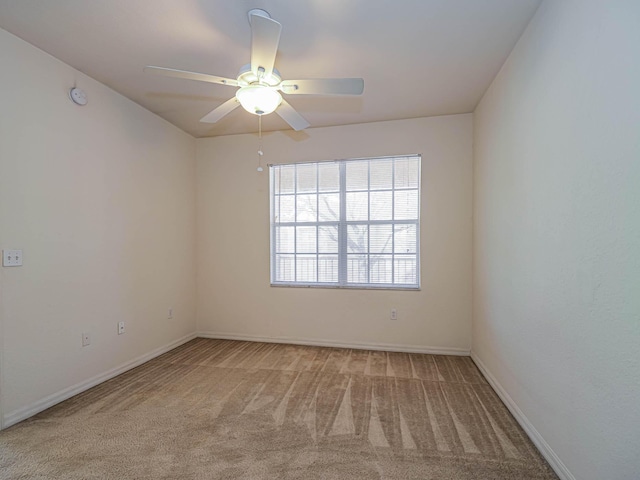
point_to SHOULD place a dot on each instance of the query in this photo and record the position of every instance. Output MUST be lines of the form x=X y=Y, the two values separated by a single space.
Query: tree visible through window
x=347 y=223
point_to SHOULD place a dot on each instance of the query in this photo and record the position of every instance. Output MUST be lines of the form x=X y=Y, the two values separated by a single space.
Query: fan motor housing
x=247 y=77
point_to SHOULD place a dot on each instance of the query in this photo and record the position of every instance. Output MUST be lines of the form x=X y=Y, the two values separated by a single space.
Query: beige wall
x=234 y=296
x=101 y=199
x=557 y=234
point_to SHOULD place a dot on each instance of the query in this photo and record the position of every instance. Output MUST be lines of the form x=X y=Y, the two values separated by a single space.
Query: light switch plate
x=11 y=258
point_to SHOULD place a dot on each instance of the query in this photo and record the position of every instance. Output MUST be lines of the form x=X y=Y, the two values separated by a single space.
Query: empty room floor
x=242 y=410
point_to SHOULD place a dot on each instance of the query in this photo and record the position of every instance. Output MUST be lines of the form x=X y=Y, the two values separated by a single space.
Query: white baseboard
x=25 y=412
x=547 y=452
x=389 y=347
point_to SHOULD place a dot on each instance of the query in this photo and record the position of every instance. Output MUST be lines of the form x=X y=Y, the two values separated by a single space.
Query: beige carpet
x=215 y=409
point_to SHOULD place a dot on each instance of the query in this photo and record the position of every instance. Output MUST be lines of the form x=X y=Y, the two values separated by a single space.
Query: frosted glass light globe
x=259 y=99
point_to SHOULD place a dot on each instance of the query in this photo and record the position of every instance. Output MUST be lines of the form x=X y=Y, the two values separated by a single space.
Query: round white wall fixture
x=78 y=96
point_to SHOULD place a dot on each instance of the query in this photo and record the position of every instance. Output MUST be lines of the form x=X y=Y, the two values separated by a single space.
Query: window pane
x=381 y=237
x=357 y=239
x=380 y=269
x=285 y=240
x=329 y=207
x=405 y=239
x=328 y=268
x=357 y=175
x=406 y=205
x=407 y=172
x=405 y=269
x=357 y=266
x=284 y=179
x=306 y=268
x=329 y=177
x=357 y=206
x=305 y=239
x=381 y=174
x=284 y=208
x=328 y=239
x=307 y=208
x=285 y=268
x=381 y=205
x=378 y=222
x=306 y=178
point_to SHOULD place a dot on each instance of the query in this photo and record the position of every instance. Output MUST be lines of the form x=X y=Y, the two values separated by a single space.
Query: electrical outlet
x=86 y=339
x=170 y=313
x=120 y=328
x=394 y=314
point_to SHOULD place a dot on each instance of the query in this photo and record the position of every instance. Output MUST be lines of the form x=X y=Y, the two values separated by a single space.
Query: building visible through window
x=347 y=223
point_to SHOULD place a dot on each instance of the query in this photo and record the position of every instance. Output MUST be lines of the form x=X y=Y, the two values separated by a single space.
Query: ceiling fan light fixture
x=260 y=82
x=259 y=99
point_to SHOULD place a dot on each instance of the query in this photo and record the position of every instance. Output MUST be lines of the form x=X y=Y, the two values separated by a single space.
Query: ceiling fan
x=260 y=83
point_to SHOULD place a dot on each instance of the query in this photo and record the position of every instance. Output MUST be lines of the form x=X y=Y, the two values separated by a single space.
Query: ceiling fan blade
x=221 y=111
x=293 y=118
x=201 y=77
x=265 y=36
x=323 y=86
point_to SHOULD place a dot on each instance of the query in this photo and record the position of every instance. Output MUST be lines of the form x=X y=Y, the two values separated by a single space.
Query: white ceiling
x=417 y=57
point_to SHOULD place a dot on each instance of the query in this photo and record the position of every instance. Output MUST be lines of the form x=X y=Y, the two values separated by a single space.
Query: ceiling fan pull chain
x=260 y=152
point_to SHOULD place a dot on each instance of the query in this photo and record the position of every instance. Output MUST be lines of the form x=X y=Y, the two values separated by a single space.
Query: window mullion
x=393 y=218
x=342 y=228
x=369 y=221
x=295 y=219
x=317 y=220
x=272 y=223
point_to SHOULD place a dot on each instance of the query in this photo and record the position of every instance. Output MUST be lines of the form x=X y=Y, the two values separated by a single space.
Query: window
x=346 y=223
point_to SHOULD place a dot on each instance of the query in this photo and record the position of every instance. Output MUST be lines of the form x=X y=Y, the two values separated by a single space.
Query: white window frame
x=342 y=225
